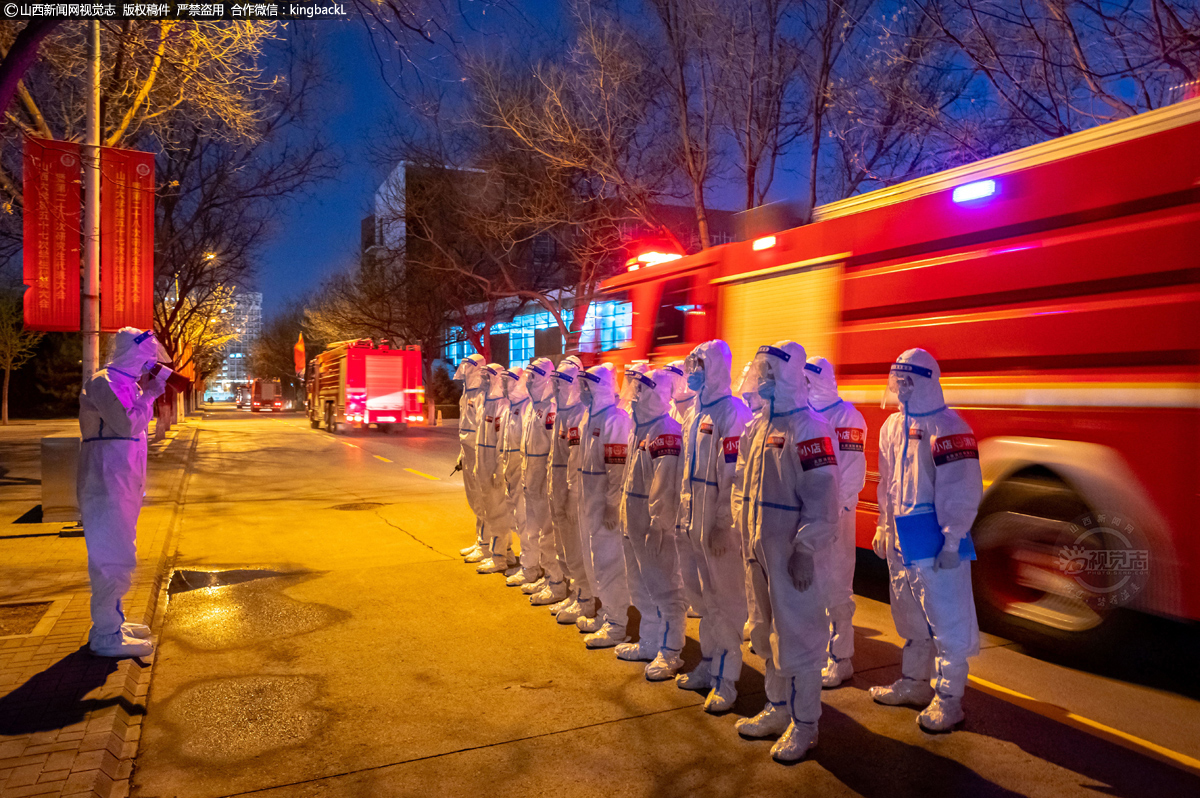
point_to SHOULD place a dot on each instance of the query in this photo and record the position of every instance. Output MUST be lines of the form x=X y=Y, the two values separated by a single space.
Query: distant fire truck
x=1059 y=288
x=354 y=384
x=266 y=395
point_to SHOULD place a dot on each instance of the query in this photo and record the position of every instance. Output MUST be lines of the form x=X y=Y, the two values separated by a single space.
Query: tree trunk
x=4 y=411
x=21 y=55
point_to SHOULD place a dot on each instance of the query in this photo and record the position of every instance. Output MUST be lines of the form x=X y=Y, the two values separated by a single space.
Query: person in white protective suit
x=537 y=438
x=512 y=425
x=930 y=487
x=710 y=450
x=835 y=563
x=786 y=499
x=682 y=397
x=579 y=600
x=649 y=510
x=115 y=408
x=489 y=473
x=603 y=451
x=470 y=374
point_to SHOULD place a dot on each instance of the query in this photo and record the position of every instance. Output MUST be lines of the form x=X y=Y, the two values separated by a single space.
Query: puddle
x=244 y=717
x=249 y=612
x=183 y=580
x=359 y=506
x=21 y=619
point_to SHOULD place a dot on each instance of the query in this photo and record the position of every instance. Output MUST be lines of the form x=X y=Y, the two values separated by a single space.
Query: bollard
x=60 y=463
x=439 y=418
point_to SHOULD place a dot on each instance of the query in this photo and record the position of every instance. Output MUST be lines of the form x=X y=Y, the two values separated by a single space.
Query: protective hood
x=470 y=372
x=716 y=361
x=822 y=384
x=783 y=365
x=514 y=385
x=566 y=383
x=135 y=351
x=598 y=387
x=536 y=379
x=673 y=373
x=919 y=367
x=629 y=385
x=651 y=393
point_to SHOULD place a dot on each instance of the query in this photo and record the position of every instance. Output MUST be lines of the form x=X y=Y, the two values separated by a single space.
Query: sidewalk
x=70 y=721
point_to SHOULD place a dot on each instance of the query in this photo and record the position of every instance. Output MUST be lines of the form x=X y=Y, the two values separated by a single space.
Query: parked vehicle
x=266 y=395
x=356 y=384
x=1059 y=288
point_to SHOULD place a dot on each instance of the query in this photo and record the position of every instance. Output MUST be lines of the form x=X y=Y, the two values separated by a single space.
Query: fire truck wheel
x=314 y=423
x=385 y=428
x=330 y=424
x=1022 y=591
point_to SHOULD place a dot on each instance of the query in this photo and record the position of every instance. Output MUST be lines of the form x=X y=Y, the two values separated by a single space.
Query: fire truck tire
x=1021 y=590
x=384 y=428
x=330 y=424
x=314 y=423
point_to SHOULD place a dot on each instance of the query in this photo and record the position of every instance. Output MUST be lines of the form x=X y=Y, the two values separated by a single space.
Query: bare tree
x=17 y=344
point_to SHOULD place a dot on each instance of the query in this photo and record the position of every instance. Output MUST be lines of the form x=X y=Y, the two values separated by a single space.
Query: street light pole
x=91 y=211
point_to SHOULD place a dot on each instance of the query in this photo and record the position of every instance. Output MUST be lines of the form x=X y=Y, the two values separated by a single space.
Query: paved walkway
x=70 y=721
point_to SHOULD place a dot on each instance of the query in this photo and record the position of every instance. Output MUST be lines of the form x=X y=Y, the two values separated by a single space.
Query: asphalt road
x=369 y=660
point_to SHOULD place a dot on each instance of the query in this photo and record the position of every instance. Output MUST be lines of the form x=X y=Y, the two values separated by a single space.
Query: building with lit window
x=234 y=371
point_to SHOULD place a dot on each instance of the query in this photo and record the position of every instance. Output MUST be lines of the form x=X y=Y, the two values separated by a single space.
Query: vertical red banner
x=126 y=239
x=50 y=249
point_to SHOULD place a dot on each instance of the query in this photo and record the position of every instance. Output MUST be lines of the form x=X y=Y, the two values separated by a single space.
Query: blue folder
x=921 y=538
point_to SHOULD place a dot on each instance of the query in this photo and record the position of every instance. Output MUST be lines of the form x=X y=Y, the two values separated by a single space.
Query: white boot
x=468 y=550
x=535 y=587
x=721 y=699
x=641 y=651
x=836 y=672
x=699 y=679
x=942 y=714
x=139 y=630
x=493 y=565
x=122 y=647
x=795 y=742
x=476 y=556
x=522 y=577
x=610 y=635
x=771 y=721
x=552 y=593
x=588 y=625
x=582 y=608
x=903 y=691
x=664 y=666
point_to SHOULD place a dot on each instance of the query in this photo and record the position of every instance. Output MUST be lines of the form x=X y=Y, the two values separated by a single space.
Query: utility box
x=60 y=464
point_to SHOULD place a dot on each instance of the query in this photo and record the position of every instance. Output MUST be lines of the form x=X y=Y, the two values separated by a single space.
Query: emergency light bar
x=980 y=189
x=766 y=242
x=651 y=259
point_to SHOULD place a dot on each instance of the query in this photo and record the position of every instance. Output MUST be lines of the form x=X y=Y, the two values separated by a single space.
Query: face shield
x=679 y=387
x=637 y=387
x=693 y=368
x=511 y=381
x=900 y=383
x=628 y=386
x=465 y=368
x=587 y=382
x=564 y=381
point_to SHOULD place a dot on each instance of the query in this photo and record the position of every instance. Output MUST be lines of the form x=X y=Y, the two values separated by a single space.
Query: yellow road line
x=421 y=474
x=351 y=445
x=1068 y=718
x=381 y=457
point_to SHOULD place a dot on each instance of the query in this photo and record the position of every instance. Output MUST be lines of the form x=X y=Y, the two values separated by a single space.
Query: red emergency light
x=652 y=258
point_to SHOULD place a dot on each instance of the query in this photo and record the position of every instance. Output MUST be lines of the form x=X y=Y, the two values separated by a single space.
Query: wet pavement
x=350 y=652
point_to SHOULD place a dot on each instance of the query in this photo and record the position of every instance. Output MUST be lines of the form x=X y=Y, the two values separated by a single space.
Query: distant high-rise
x=247 y=310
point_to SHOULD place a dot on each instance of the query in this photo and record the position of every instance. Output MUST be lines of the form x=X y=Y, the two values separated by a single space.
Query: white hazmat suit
x=835 y=564
x=929 y=479
x=787 y=501
x=649 y=510
x=489 y=473
x=470 y=374
x=512 y=426
x=537 y=439
x=114 y=414
x=710 y=450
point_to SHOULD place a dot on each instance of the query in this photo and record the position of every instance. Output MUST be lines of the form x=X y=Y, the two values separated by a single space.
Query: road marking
x=381 y=457
x=1068 y=718
x=351 y=445
x=421 y=474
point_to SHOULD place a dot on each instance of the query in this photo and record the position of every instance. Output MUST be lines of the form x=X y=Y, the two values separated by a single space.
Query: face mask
x=695 y=380
x=585 y=393
x=904 y=389
x=767 y=390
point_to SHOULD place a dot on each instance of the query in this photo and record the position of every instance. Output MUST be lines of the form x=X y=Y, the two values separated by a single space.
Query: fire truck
x=1059 y=288
x=354 y=384
x=266 y=395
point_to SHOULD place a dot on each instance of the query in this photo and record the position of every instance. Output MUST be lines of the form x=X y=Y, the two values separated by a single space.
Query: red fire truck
x=266 y=395
x=354 y=384
x=1059 y=288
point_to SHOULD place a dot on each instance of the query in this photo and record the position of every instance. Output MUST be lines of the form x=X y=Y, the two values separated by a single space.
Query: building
x=234 y=371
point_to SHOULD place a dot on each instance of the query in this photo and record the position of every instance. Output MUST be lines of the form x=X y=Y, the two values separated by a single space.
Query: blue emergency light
x=980 y=189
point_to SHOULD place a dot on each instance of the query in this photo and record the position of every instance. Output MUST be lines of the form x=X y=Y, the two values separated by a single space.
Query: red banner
x=51 y=235
x=298 y=354
x=126 y=239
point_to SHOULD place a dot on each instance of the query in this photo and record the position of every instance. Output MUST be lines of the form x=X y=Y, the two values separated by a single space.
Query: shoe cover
x=475 y=556
x=566 y=604
x=908 y=692
x=691 y=613
x=771 y=721
x=699 y=679
x=576 y=610
x=553 y=593
x=468 y=550
x=721 y=699
x=523 y=576
x=664 y=666
x=942 y=714
x=535 y=587
x=795 y=742
x=641 y=651
x=511 y=571
x=125 y=648
x=492 y=566
x=609 y=635
x=139 y=630
x=836 y=672
x=588 y=625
